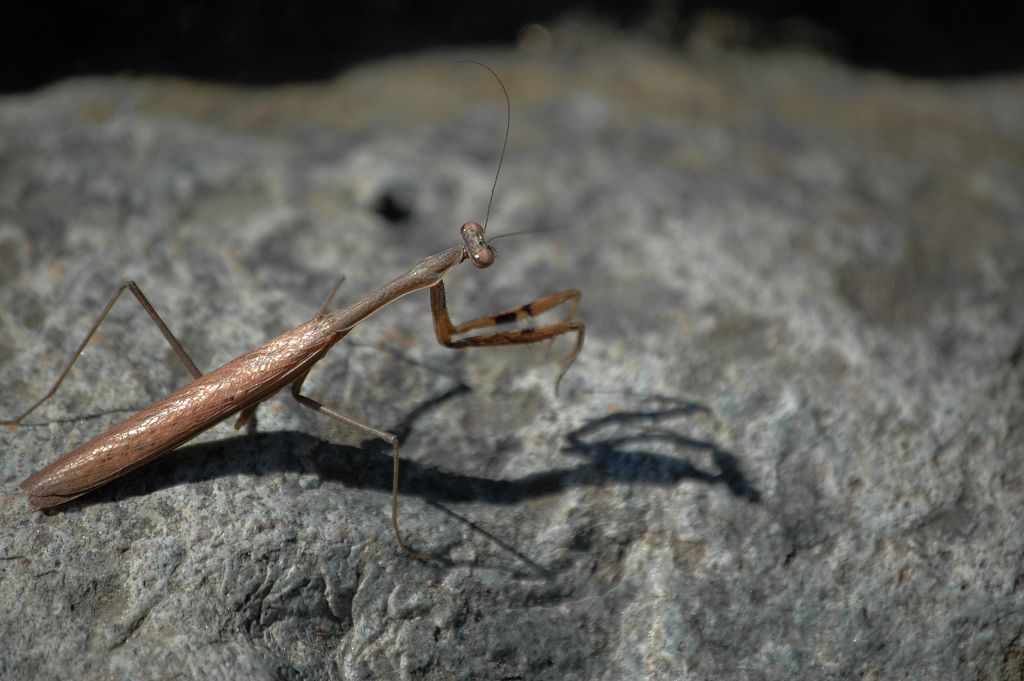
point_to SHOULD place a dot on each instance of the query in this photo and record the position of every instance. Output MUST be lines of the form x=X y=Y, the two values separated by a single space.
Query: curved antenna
x=535 y=230
x=508 y=123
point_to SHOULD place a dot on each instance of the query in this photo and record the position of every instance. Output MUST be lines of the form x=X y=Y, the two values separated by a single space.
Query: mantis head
x=477 y=248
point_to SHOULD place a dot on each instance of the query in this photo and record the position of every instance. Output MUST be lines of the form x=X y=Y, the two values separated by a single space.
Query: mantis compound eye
x=477 y=248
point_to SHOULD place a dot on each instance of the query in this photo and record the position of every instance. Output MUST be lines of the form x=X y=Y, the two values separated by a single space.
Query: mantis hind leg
x=148 y=307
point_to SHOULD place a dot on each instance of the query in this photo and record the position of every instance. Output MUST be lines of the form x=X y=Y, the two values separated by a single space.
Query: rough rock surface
x=791 y=448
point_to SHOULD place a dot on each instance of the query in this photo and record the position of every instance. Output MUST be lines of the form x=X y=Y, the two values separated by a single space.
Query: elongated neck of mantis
x=423 y=274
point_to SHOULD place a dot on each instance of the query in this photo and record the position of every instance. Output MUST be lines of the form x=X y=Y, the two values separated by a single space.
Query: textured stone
x=791 y=448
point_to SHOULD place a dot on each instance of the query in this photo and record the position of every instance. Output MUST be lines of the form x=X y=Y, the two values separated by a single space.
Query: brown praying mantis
x=239 y=386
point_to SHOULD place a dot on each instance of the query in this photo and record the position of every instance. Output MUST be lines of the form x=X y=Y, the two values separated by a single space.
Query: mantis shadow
x=616 y=455
x=617 y=447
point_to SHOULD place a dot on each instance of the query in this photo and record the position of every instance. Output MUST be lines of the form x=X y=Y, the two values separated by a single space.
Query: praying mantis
x=242 y=384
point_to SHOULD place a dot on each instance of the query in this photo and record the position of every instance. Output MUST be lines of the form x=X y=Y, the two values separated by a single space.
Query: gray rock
x=791 y=448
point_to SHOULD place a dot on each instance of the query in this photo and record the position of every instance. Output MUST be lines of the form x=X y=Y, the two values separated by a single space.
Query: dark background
x=264 y=41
